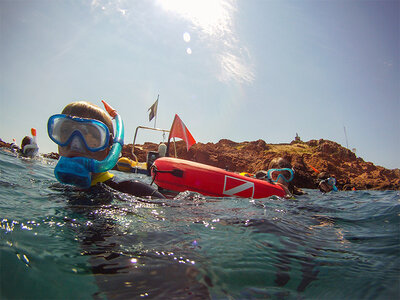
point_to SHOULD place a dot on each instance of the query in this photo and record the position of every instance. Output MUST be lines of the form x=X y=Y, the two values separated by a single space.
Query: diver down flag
x=179 y=130
x=153 y=110
x=238 y=187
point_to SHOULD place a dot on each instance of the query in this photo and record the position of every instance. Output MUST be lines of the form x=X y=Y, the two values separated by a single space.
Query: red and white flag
x=179 y=130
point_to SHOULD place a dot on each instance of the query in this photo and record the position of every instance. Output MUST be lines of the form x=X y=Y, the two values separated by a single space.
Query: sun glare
x=213 y=17
x=186 y=37
x=215 y=20
x=212 y=21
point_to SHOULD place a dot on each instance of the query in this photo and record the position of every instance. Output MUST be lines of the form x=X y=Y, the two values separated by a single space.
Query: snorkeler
x=281 y=172
x=14 y=147
x=29 y=147
x=88 y=149
x=327 y=183
x=153 y=155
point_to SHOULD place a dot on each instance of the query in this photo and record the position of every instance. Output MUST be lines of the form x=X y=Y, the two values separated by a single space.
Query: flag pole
x=345 y=134
x=169 y=136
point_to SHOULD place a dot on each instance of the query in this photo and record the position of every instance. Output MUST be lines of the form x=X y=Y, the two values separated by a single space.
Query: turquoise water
x=57 y=243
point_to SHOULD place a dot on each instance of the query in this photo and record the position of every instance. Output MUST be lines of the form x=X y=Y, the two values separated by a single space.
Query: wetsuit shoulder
x=134 y=188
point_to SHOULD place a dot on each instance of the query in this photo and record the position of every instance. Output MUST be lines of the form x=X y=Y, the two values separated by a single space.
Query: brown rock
x=52 y=155
x=325 y=156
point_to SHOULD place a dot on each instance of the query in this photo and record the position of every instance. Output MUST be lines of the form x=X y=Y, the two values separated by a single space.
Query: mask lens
x=95 y=136
x=62 y=130
x=286 y=174
x=274 y=175
x=332 y=181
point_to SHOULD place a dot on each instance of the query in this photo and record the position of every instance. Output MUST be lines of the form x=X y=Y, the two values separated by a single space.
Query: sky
x=238 y=70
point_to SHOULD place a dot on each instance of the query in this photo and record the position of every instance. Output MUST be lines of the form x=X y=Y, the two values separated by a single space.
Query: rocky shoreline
x=306 y=157
x=321 y=155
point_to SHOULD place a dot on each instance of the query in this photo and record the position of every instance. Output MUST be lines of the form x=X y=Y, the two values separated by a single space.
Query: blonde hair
x=83 y=109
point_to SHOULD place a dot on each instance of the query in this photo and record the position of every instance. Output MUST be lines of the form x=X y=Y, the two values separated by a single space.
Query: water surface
x=59 y=243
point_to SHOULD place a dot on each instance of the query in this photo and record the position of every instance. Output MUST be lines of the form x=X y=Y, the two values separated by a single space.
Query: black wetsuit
x=134 y=188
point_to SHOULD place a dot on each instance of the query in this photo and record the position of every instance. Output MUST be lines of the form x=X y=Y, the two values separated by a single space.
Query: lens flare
x=186 y=37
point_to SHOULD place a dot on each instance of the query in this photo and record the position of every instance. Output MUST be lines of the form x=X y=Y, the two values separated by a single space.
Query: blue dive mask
x=275 y=174
x=65 y=130
x=78 y=170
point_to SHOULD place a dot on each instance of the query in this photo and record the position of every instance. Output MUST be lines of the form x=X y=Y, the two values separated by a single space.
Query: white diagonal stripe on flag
x=245 y=185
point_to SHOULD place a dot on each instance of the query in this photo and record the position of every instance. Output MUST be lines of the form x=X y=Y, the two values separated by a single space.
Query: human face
x=283 y=176
x=69 y=151
x=79 y=137
x=325 y=187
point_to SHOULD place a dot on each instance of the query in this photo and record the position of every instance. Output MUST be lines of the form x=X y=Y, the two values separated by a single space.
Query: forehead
x=88 y=111
x=280 y=165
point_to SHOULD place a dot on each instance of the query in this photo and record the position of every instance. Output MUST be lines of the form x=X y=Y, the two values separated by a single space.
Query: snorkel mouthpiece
x=78 y=170
x=70 y=170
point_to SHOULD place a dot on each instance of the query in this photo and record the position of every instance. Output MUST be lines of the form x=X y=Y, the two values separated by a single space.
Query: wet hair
x=83 y=109
x=323 y=175
x=279 y=163
x=26 y=141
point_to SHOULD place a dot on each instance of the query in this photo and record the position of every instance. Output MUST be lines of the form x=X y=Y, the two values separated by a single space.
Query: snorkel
x=33 y=131
x=78 y=170
x=327 y=185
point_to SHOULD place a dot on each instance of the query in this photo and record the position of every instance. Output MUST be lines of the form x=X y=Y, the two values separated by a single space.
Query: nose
x=77 y=144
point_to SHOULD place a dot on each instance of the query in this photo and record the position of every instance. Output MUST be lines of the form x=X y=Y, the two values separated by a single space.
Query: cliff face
x=322 y=155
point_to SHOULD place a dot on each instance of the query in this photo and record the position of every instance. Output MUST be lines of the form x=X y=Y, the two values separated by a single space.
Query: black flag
x=153 y=110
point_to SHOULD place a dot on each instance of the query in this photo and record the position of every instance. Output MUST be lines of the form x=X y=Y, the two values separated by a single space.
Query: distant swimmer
x=327 y=182
x=29 y=147
x=89 y=148
x=14 y=147
x=281 y=172
x=153 y=155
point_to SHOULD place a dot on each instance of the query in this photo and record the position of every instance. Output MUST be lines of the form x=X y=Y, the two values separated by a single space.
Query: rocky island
x=307 y=158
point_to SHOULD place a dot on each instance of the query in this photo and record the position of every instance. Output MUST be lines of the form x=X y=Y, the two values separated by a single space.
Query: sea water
x=60 y=243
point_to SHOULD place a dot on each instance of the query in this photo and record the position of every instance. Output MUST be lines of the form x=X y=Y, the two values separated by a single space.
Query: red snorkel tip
x=33 y=131
x=111 y=111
